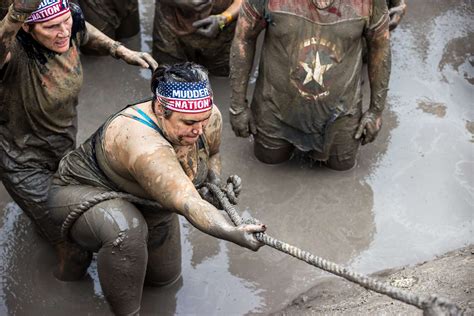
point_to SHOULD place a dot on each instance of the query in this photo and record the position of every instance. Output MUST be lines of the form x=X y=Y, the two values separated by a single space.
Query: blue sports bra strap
x=139 y=119
x=145 y=119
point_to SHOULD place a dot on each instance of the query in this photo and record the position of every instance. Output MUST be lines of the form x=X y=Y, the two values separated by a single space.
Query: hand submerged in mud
x=210 y=26
x=396 y=13
x=369 y=127
x=243 y=123
x=136 y=58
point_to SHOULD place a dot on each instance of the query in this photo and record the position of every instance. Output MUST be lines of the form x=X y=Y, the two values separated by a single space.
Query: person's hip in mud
x=162 y=150
x=195 y=30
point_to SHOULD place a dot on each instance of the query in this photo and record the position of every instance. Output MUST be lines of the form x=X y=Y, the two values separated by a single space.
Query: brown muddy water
x=410 y=197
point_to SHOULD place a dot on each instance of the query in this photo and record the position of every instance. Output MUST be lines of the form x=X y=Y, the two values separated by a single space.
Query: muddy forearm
x=379 y=65
x=9 y=27
x=241 y=61
x=100 y=43
x=233 y=10
x=205 y=217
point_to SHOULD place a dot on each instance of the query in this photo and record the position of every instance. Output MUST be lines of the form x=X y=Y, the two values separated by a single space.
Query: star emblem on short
x=315 y=71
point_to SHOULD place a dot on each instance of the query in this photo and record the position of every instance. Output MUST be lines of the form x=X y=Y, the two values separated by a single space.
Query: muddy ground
x=409 y=199
x=449 y=276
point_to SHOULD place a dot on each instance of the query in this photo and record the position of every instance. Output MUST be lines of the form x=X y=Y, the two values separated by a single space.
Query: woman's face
x=54 y=34
x=184 y=128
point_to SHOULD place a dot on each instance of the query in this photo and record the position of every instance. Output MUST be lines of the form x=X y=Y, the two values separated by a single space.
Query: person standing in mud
x=195 y=30
x=41 y=75
x=117 y=19
x=161 y=150
x=308 y=91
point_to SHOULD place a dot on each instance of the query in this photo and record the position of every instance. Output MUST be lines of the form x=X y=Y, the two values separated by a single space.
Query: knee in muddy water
x=272 y=154
x=344 y=150
x=335 y=163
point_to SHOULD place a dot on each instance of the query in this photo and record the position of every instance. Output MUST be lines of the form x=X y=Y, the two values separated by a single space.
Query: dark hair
x=182 y=72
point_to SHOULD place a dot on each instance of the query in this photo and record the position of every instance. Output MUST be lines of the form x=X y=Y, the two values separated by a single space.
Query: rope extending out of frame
x=431 y=305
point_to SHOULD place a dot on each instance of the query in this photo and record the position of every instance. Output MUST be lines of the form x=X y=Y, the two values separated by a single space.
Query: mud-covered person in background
x=118 y=19
x=4 y=5
x=396 y=10
x=41 y=76
x=308 y=91
x=195 y=30
x=161 y=150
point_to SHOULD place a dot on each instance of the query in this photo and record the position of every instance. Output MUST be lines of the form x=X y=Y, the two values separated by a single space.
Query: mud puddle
x=410 y=197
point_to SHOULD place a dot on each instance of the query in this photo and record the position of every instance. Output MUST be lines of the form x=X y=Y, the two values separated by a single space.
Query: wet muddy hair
x=182 y=72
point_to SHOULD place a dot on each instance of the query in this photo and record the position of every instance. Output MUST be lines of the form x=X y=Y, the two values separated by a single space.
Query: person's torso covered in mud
x=198 y=31
x=310 y=72
x=117 y=19
x=38 y=98
x=41 y=76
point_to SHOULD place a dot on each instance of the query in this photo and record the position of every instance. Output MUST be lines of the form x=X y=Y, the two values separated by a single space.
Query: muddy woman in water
x=41 y=76
x=161 y=150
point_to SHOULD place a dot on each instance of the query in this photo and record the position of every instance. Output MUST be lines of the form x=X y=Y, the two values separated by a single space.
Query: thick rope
x=431 y=305
x=96 y=199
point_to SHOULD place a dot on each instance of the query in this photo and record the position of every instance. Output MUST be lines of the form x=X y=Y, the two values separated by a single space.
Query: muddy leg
x=272 y=156
x=164 y=251
x=344 y=149
x=117 y=231
x=130 y=25
x=73 y=261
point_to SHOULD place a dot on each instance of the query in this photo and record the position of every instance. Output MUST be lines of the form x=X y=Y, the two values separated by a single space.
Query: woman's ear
x=158 y=108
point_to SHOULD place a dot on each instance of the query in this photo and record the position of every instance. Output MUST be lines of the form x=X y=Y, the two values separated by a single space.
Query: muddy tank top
x=181 y=22
x=88 y=163
x=310 y=67
x=38 y=97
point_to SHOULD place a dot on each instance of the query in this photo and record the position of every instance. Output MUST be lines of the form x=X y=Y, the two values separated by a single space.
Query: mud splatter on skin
x=470 y=129
x=431 y=107
x=379 y=76
x=241 y=59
